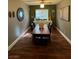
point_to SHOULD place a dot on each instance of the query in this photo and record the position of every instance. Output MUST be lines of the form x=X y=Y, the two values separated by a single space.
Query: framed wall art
x=65 y=13
x=13 y=13
x=9 y=14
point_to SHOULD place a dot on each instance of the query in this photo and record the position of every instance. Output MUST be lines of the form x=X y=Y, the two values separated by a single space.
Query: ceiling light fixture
x=42 y=4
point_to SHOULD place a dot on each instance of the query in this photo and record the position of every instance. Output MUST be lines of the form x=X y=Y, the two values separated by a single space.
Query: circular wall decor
x=20 y=14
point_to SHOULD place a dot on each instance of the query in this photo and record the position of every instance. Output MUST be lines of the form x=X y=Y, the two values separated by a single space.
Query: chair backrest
x=32 y=25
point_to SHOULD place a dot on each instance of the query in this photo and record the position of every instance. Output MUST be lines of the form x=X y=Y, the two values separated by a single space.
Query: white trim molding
x=68 y=40
x=17 y=39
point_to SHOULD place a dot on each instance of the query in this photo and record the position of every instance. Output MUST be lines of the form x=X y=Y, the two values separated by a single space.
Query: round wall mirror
x=20 y=14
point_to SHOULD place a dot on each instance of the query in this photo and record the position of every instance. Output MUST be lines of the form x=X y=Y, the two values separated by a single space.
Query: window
x=41 y=14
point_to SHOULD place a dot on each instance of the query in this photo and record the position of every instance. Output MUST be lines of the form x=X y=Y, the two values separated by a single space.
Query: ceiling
x=37 y=2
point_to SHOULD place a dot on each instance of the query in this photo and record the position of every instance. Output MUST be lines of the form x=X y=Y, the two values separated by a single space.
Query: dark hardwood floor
x=58 y=48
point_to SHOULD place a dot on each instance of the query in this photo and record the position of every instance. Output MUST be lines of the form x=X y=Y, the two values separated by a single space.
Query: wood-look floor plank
x=58 y=48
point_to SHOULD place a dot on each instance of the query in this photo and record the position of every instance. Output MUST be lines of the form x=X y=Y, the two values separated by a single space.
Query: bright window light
x=41 y=14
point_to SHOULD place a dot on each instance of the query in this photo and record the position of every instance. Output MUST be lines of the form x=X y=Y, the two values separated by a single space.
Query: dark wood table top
x=37 y=30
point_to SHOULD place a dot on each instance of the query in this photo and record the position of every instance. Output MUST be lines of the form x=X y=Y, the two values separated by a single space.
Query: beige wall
x=15 y=28
x=64 y=26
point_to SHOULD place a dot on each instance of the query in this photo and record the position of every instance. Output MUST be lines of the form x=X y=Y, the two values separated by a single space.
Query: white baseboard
x=68 y=40
x=9 y=48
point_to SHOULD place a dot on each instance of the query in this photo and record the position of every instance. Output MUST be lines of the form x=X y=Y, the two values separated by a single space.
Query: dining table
x=41 y=35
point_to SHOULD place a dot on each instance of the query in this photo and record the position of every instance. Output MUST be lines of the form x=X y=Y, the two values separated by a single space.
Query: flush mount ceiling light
x=42 y=4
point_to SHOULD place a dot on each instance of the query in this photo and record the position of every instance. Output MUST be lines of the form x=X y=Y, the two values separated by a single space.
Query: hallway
x=58 y=48
x=39 y=29
x=42 y=22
